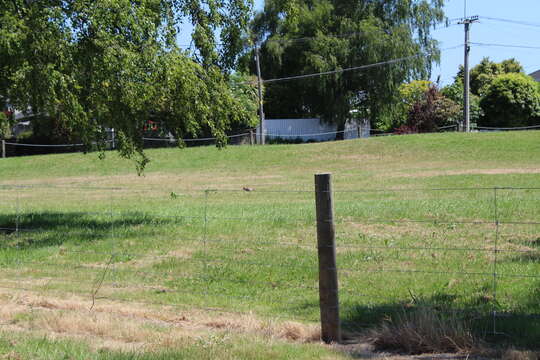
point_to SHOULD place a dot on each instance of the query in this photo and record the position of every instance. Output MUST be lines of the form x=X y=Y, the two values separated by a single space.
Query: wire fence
x=176 y=258
x=474 y=252
x=15 y=148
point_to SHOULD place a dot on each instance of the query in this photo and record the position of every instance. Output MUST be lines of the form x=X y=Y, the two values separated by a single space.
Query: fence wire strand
x=280 y=265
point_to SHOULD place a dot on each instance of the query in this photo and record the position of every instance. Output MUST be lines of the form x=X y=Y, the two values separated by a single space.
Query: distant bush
x=511 y=100
x=432 y=111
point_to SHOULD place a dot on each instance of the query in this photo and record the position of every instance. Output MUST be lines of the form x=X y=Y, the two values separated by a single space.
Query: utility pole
x=466 y=125
x=261 y=105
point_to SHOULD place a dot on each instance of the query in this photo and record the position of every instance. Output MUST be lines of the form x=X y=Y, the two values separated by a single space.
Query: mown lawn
x=418 y=219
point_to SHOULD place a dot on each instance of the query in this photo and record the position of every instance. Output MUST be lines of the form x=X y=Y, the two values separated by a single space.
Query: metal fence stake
x=328 y=281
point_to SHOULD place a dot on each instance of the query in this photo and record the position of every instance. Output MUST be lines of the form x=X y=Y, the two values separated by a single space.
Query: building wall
x=310 y=130
x=536 y=75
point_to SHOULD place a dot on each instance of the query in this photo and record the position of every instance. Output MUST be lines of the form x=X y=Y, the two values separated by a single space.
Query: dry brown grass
x=424 y=331
x=131 y=325
x=432 y=173
x=512 y=354
x=158 y=180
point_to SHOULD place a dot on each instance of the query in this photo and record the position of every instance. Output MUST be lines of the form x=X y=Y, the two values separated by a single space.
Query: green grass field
x=182 y=262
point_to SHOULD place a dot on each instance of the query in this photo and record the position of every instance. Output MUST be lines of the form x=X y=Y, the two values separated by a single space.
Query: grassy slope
x=14 y=346
x=249 y=264
x=355 y=163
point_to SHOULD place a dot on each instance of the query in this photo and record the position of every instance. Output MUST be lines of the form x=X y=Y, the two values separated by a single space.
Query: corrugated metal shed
x=310 y=130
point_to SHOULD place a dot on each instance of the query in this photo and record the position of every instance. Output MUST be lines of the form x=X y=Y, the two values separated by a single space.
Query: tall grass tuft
x=424 y=330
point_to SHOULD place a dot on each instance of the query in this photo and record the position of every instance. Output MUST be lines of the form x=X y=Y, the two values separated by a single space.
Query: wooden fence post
x=251 y=139
x=3 y=148
x=326 y=244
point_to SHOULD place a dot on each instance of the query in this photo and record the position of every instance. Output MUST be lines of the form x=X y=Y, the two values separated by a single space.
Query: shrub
x=424 y=330
x=511 y=100
x=431 y=112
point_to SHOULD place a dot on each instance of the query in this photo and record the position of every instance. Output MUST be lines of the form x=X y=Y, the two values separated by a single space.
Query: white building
x=311 y=129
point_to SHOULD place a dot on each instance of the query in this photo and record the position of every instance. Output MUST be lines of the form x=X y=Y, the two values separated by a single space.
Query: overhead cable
x=506 y=45
x=361 y=67
x=517 y=22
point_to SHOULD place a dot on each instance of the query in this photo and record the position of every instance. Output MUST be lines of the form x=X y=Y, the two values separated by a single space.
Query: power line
x=507 y=45
x=362 y=67
x=517 y=22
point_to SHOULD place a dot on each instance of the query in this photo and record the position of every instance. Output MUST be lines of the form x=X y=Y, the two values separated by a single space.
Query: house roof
x=536 y=75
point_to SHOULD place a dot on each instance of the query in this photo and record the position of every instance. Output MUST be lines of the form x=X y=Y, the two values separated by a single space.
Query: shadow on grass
x=57 y=228
x=529 y=256
x=519 y=329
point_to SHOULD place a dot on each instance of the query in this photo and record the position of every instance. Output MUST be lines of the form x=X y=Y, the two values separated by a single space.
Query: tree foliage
x=6 y=118
x=511 y=100
x=430 y=112
x=310 y=36
x=455 y=93
x=4 y=124
x=245 y=92
x=114 y=63
x=409 y=94
x=482 y=74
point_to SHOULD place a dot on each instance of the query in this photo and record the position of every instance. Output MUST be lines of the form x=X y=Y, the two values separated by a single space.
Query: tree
x=430 y=112
x=511 y=100
x=482 y=74
x=409 y=94
x=311 y=36
x=454 y=92
x=245 y=92
x=6 y=119
x=5 y=125
x=115 y=63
